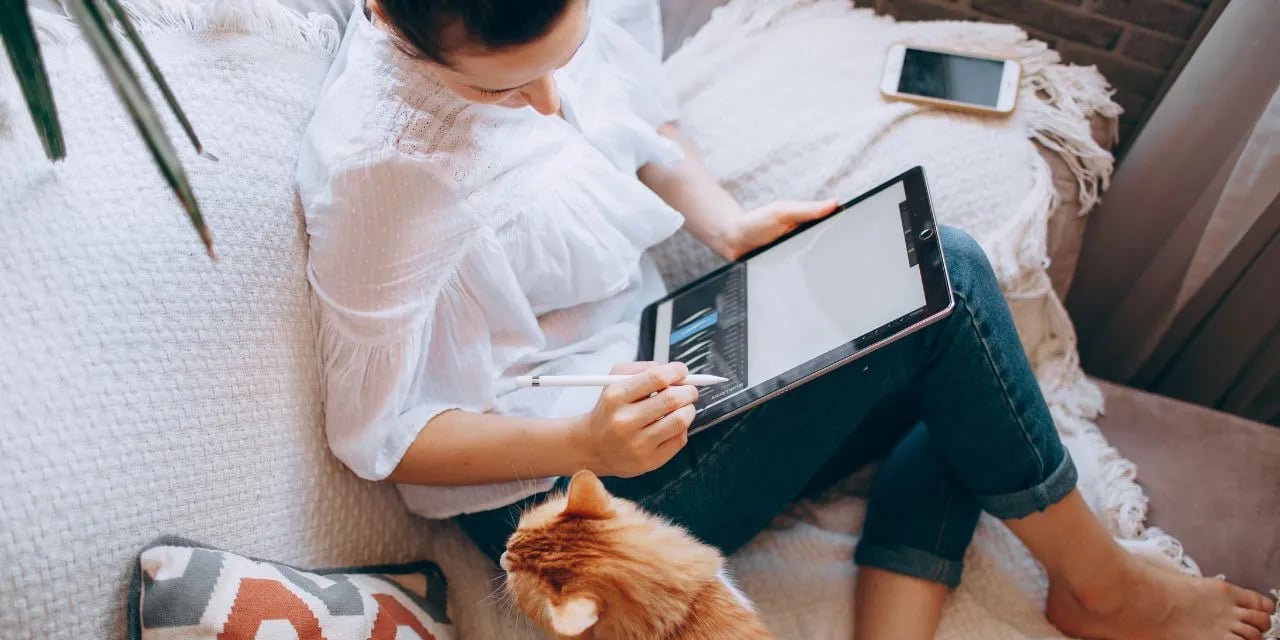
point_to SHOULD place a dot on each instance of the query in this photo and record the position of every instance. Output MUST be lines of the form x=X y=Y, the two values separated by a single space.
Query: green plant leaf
x=131 y=33
x=101 y=39
x=24 y=54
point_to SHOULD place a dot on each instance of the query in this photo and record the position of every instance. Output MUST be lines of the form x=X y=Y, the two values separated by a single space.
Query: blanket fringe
x=1018 y=253
x=1056 y=108
x=1274 y=633
x=1058 y=104
x=314 y=33
x=1075 y=402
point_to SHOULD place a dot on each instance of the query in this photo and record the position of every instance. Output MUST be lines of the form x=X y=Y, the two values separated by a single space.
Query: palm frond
x=98 y=34
x=24 y=54
x=131 y=33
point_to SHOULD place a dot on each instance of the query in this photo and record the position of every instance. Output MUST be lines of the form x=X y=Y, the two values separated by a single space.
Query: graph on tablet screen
x=706 y=329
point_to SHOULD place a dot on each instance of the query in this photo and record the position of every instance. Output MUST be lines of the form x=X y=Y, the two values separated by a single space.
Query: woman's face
x=517 y=76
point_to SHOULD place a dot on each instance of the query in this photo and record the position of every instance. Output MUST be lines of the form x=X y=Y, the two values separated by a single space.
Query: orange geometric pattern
x=196 y=593
x=392 y=614
x=258 y=600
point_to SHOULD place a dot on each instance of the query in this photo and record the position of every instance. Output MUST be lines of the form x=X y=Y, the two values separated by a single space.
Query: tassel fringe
x=315 y=33
x=1057 y=106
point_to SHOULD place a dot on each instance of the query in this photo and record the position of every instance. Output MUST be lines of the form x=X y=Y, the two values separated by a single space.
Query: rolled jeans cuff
x=910 y=562
x=1020 y=504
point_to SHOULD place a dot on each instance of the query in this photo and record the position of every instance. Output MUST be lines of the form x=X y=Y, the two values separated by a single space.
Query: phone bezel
x=1007 y=99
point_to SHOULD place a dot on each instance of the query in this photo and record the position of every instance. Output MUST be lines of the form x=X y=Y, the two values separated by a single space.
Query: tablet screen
x=804 y=297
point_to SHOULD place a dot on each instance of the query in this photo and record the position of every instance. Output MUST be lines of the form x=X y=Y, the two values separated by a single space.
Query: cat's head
x=587 y=560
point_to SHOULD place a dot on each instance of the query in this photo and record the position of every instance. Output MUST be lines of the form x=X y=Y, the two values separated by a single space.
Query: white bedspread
x=782 y=98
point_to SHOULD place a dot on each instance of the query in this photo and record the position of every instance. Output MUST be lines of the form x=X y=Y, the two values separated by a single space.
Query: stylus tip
x=704 y=380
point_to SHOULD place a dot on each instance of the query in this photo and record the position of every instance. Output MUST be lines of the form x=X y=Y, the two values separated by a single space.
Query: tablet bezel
x=933 y=274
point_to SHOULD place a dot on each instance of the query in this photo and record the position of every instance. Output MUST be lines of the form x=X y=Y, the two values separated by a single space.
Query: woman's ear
x=573 y=616
x=587 y=497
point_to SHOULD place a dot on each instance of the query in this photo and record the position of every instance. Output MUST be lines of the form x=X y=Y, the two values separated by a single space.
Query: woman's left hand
x=768 y=223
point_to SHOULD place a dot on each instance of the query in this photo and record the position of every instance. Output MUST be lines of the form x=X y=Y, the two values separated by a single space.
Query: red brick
x=1167 y=16
x=1134 y=104
x=1055 y=18
x=927 y=10
x=1037 y=34
x=1199 y=3
x=1127 y=130
x=1122 y=73
x=1153 y=49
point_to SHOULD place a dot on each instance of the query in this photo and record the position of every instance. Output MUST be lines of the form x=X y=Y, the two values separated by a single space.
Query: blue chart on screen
x=709 y=332
x=693 y=326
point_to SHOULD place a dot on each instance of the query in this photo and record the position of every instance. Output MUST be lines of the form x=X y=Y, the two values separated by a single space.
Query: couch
x=145 y=391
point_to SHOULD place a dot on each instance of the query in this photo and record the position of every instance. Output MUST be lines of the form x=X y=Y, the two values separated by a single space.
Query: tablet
x=815 y=299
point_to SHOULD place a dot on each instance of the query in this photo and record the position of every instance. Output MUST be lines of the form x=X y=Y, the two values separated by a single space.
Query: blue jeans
x=954 y=410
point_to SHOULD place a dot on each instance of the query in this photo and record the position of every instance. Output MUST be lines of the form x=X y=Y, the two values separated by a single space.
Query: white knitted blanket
x=781 y=96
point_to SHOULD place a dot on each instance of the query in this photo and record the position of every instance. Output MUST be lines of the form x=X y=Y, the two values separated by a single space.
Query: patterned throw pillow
x=185 y=591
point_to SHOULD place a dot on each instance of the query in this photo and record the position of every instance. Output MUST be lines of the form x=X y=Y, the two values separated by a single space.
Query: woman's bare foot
x=1145 y=602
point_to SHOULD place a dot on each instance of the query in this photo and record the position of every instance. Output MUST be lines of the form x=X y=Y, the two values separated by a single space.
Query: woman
x=481 y=181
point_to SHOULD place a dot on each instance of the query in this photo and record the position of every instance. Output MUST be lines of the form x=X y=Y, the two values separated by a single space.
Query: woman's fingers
x=665 y=402
x=797 y=212
x=649 y=381
x=629 y=368
x=673 y=427
x=668 y=450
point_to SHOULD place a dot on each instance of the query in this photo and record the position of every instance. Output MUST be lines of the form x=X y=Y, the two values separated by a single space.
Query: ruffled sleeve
x=418 y=309
x=642 y=20
x=640 y=73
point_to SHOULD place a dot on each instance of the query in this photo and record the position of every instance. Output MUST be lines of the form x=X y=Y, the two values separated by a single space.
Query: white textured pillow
x=143 y=389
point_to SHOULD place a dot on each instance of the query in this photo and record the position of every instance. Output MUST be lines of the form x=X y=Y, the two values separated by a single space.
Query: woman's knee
x=967 y=264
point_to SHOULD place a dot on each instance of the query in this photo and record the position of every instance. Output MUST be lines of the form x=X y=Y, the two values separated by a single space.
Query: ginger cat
x=592 y=566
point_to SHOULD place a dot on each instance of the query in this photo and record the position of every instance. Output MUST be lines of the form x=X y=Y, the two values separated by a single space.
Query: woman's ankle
x=1073 y=546
x=1103 y=590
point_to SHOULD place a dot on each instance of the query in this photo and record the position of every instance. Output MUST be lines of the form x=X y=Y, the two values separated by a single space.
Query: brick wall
x=1135 y=43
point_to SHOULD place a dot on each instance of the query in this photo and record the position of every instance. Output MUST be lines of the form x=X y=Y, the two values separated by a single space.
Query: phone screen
x=951 y=77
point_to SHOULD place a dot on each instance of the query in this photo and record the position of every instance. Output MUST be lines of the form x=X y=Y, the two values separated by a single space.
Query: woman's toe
x=1252 y=600
x=1254 y=618
x=1246 y=632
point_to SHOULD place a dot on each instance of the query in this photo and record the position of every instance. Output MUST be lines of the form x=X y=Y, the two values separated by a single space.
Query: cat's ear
x=574 y=615
x=587 y=497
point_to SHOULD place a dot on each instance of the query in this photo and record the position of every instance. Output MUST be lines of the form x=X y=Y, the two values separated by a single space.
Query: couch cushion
x=182 y=590
x=143 y=388
x=1213 y=480
x=339 y=10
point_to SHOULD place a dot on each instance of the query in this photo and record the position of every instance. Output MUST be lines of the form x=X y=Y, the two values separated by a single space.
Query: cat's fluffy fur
x=590 y=565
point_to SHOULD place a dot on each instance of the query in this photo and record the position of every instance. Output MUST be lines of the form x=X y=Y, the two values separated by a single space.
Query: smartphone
x=951 y=79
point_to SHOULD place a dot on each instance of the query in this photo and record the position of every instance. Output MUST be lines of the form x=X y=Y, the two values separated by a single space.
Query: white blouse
x=454 y=246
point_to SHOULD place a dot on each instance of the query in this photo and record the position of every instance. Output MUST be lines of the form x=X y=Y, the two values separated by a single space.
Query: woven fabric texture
x=144 y=389
x=185 y=591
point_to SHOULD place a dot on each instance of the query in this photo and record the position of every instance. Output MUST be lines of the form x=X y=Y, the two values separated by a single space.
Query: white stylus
x=695 y=379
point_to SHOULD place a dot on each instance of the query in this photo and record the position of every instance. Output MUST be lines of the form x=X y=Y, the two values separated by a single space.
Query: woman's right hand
x=638 y=424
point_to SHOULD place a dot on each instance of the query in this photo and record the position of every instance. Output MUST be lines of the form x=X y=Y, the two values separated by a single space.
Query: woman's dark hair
x=431 y=27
